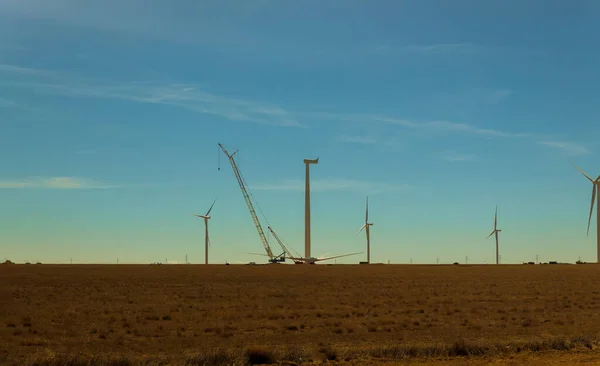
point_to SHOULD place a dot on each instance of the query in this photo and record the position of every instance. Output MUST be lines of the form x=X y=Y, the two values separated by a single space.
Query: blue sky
x=110 y=114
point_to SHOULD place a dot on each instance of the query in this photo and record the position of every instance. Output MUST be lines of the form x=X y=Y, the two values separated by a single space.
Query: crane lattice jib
x=240 y=180
x=285 y=249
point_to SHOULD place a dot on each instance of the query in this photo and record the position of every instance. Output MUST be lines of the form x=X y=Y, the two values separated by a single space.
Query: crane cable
x=288 y=246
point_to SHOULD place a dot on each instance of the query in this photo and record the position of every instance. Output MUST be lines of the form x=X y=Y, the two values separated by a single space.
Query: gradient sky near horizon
x=110 y=114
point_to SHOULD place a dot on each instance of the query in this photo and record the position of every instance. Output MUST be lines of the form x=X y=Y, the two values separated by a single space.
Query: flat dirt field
x=352 y=314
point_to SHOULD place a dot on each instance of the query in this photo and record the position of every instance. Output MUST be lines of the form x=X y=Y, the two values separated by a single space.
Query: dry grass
x=209 y=315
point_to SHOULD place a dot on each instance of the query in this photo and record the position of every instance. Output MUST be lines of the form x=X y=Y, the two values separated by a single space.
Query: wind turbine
x=366 y=227
x=206 y=217
x=496 y=231
x=307 y=162
x=595 y=195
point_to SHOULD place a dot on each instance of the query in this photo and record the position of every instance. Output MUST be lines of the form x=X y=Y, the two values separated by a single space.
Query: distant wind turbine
x=595 y=196
x=496 y=231
x=366 y=226
x=206 y=217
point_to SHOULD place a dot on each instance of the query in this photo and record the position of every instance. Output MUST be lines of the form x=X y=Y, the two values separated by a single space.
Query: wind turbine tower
x=206 y=217
x=496 y=231
x=307 y=162
x=595 y=196
x=366 y=226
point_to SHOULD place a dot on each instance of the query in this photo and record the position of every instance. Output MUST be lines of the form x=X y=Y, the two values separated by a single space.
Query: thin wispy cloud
x=429 y=49
x=454 y=156
x=430 y=126
x=571 y=148
x=438 y=127
x=52 y=183
x=5 y=103
x=331 y=184
x=443 y=48
x=211 y=26
x=86 y=152
x=12 y=48
x=195 y=98
x=190 y=97
x=365 y=140
x=4 y=68
x=489 y=96
x=447 y=126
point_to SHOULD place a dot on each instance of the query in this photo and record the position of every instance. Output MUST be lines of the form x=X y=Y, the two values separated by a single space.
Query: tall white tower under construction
x=307 y=162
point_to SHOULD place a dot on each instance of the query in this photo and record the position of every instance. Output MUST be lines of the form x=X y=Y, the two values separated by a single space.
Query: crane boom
x=240 y=180
x=285 y=249
x=282 y=245
x=296 y=258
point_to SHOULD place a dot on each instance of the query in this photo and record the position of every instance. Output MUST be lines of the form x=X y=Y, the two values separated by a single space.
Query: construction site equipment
x=242 y=183
x=296 y=257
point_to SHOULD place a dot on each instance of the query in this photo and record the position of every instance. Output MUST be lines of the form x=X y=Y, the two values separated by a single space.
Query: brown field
x=378 y=314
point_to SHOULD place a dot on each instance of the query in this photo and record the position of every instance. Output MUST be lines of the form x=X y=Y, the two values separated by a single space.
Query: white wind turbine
x=366 y=226
x=595 y=196
x=496 y=231
x=206 y=217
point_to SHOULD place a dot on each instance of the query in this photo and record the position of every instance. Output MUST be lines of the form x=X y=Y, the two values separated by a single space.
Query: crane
x=296 y=258
x=261 y=233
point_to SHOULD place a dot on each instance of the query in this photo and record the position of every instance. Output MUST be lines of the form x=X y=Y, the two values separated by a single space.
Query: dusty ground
x=172 y=311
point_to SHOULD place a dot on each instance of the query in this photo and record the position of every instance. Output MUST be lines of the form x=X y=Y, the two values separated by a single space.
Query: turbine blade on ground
x=264 y=255
x=337 y=256
x=591 y=207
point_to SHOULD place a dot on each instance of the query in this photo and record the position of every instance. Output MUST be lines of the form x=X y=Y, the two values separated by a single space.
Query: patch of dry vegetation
x=203 y=315
x=256 y=355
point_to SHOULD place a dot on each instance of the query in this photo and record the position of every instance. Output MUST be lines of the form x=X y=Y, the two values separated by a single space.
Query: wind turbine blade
x=264 y=255
x=361 y=228
x=367 y=211
x=582 y=172
x=591 y=207
x=337 y=256
x=496 y=218
x=211 y=206
x=491 y=234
